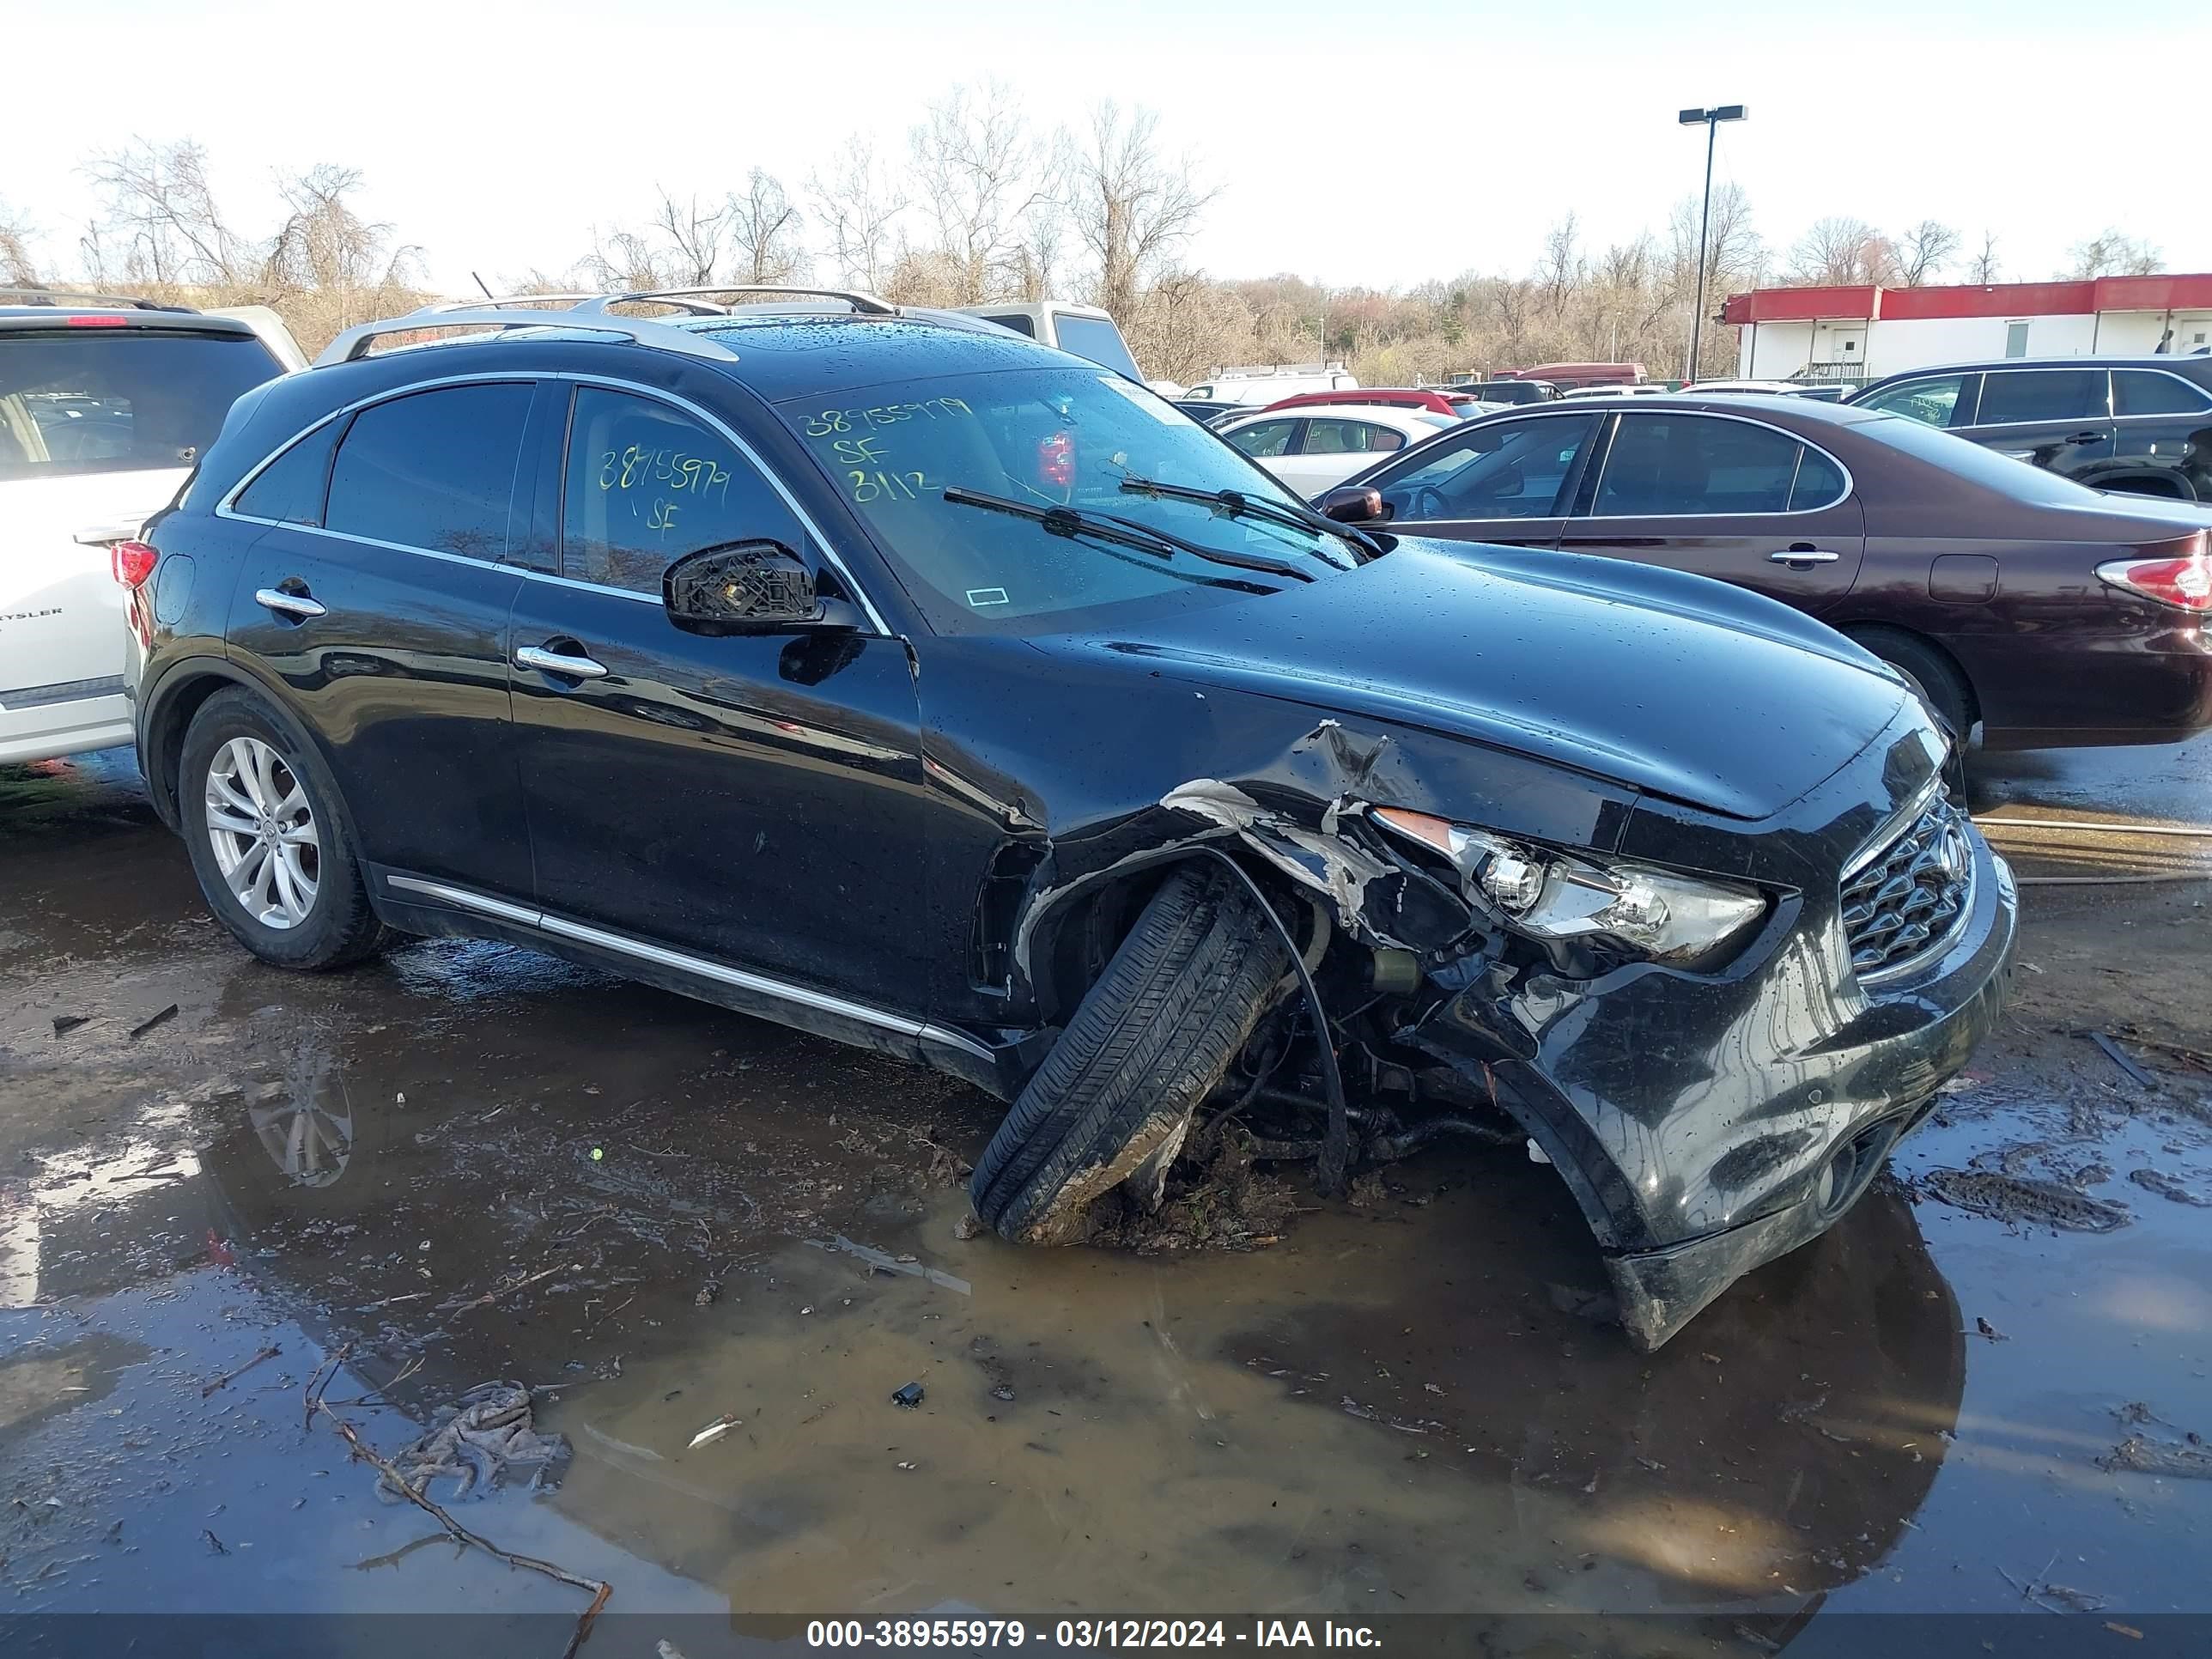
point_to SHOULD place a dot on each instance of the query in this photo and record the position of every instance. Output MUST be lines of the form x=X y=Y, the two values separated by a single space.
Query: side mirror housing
x=746 y=587
x=1349 y=504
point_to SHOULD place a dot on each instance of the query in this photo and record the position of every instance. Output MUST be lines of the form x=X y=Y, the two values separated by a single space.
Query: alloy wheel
x=263 y=832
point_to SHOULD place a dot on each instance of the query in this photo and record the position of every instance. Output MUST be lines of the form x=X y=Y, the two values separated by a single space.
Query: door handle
x=1802 y=557
x=2085 y=437
x=298 y=606
x=567 y=666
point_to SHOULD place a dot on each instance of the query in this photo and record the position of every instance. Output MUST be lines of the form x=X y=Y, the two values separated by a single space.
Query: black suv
x=2139 y=424
x=890 y=676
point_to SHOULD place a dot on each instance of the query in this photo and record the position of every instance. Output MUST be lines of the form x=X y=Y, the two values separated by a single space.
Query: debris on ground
x=709 y=1294
x=149 y=1023
x=215 y=1545
x=910 y=1396
x=474 y=1441
x=2155 y=1180
x=2124 y=1060
x=65 y=1023
x=1367 y=1191
x=228 y=1377
x=713 y=1432
x=2022 y=1197
x=1222 y=1203
x=2141 y=1455
x=1982 y=1327
x=966 y=1228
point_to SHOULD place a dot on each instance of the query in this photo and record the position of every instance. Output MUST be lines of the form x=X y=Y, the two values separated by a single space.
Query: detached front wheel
x=1155 y=1033
x=260 y=817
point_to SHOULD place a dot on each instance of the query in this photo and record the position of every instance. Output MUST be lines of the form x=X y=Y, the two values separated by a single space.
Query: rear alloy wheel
x=261 y=819
x=1113 y=1100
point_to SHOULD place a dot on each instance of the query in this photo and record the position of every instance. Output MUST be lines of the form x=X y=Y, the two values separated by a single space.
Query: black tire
x=338 y=927
x=1930 y=673
x=1149 y=1042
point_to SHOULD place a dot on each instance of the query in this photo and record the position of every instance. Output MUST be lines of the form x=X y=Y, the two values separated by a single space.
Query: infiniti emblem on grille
x=1953 y=857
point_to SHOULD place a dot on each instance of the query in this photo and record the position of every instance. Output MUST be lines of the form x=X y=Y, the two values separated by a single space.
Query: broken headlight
x=1637 y=909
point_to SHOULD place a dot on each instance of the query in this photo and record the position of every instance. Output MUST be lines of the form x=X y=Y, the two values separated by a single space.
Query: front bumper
x=1709 y=1123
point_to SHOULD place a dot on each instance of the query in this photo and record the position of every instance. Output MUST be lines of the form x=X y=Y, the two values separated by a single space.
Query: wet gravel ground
x=468 y=1161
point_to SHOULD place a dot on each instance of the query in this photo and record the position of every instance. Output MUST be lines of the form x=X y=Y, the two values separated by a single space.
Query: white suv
x=105 y=404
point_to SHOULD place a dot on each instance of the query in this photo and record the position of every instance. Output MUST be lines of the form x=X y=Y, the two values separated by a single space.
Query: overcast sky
x=1354 y=143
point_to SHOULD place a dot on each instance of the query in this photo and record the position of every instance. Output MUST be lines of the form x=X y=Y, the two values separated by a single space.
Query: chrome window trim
x=1851 y=483
x=738 y=978
x=226 y=508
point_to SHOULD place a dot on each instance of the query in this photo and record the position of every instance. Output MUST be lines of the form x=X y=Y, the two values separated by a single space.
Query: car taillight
x=132 y=563
x=2182 y=579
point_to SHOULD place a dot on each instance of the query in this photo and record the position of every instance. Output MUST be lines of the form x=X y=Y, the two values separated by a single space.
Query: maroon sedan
x=2049 y=613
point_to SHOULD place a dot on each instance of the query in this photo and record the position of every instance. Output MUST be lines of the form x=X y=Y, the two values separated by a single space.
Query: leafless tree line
x=980 y=203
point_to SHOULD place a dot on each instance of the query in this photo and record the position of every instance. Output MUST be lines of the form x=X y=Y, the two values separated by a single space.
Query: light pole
x=1711 y=119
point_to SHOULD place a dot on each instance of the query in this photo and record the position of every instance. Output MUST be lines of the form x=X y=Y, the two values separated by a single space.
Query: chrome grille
x=1903 y=899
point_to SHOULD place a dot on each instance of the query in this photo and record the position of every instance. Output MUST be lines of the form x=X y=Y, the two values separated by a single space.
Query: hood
x=1688 y=687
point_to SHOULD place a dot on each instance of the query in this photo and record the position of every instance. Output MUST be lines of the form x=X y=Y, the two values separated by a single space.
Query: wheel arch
x=1871 y=633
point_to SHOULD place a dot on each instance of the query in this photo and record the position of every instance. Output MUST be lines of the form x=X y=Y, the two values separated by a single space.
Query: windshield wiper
x=1109 y=527
x=1236 y=504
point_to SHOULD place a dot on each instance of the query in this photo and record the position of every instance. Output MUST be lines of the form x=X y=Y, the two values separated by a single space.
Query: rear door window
x=1497 y=469
x=649 y=484
x=2012 y=396
x=1097 y=338
x=1679 y=465
x=117 y=399
x=2153 y=391
x=1933 y=401
x=1350 y=438
x=433 y=470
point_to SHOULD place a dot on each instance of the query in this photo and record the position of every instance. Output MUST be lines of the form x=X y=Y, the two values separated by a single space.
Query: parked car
x=1776 y=388
x=1621 y=389
x=1458 y=406
x=2143 y=425
x=1086 y=331
x=1208 y=412
x=1260 y=387
x=1313 y=446
x=1569 y=376
x=930 y=689
x=105 y=405
x=2049 y=614
x=1509 y=391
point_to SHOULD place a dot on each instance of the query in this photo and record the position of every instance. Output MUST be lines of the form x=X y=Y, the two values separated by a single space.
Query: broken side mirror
x=1349 y=504
x=748 y=587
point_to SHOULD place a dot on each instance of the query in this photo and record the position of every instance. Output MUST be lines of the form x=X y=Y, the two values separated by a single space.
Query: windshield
x=1046 y=437
x=118 y=399
x=1097 y=338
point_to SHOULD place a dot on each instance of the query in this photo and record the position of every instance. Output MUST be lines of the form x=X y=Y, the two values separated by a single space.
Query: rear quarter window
x=118 y=399
x=433 y=470
x=290 y=488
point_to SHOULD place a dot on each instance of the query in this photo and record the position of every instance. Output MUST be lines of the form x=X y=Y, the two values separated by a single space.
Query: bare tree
x=1983 y=267
x=1842 y=251
x=325 y=244
x=625 y=259
x=694 y=236
x=764 y=229
x=17 y=268
x=859 y=203
x=1132 y=207
x=979 y=171
x=162 y=209
x=1923 y=251
x=1559 y=266
x=2109 y=254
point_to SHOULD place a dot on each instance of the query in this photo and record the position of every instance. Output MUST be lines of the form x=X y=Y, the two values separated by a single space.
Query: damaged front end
x=1662 y=1001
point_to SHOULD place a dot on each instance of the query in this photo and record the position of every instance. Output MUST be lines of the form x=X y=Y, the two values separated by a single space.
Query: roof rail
x=538 y=300
x=866 y=304
x=644 y=330
x=47 y=297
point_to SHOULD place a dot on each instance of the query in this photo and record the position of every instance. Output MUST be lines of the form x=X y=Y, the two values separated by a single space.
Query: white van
x=1085 y=330
x=1261 y=387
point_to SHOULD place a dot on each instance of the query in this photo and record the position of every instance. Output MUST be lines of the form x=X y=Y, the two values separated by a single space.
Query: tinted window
x=649 y=484
x=120 y=399
x=1972 y=463
x=435 y=469
x=1685 y=464
x=1504 y=470
x=290 y=488
x=1097 y=338
x=1263 y=439
x=1820 y=482
x=2042 y=394
x=1016 y=320
x=2145 y=392
x=1350 y=438
x=1932 y=402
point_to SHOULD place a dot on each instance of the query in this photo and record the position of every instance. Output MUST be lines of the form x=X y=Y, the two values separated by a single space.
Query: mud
x=2017 y=1198
x=1256 y=1400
